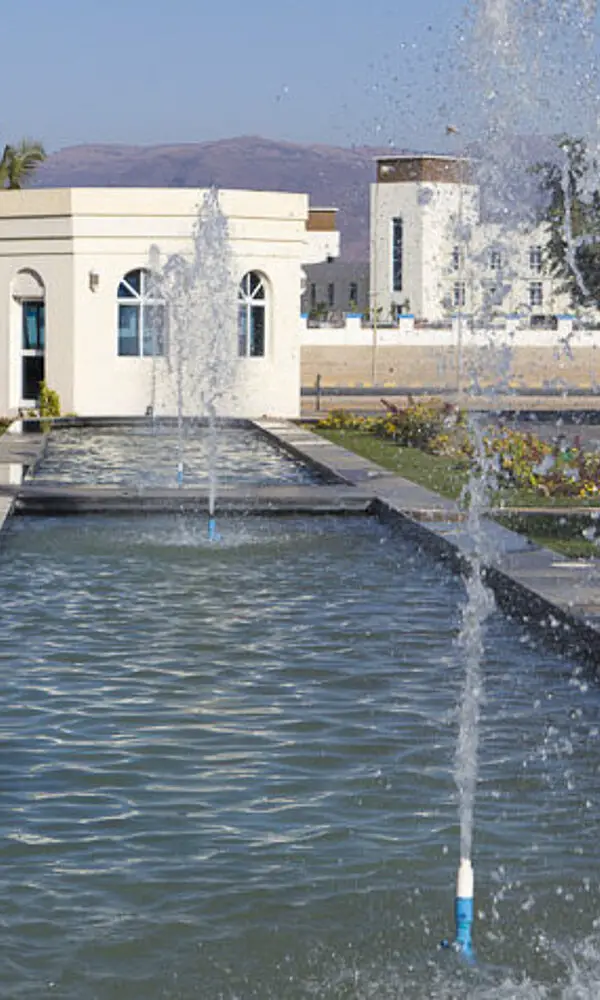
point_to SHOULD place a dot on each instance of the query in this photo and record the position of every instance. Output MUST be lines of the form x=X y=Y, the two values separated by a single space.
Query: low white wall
x=355 y=334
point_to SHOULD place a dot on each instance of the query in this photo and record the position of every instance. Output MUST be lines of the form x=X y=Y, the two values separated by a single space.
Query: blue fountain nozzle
x=213 y=534
x=463 y=915
x=464 y=910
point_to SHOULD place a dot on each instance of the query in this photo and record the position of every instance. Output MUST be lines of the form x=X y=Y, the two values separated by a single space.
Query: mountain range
x=331 y=175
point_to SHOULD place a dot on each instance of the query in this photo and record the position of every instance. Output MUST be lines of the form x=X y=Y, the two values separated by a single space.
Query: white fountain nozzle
x=465 y=879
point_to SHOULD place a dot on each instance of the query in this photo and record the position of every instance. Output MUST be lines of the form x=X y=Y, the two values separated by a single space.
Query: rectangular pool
x=227 y=770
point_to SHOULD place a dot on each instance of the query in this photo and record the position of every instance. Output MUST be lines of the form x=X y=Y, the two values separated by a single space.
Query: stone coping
x=20 y=453
x=554 y=596
x=37 y=425
x=65 y=499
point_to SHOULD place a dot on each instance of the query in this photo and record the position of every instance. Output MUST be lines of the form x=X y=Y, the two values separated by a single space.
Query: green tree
x=572 y=211
x=19 y=162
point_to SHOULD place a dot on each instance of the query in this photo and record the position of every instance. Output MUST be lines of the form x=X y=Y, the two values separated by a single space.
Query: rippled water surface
x=142 y=457
x=227 y=772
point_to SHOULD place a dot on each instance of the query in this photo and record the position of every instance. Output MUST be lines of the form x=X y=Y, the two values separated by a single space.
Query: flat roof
x=419 y=156
x=151 y=201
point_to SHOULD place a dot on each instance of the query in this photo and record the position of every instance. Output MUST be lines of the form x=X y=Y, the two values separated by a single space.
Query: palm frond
x=19 y=162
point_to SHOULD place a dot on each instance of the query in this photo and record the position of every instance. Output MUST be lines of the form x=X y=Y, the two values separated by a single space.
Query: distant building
x=431 y=254
x=324 y=238
x=75 y=294
x=336 y=286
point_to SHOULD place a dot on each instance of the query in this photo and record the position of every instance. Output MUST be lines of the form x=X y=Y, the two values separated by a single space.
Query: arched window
x=142 y=316
x=252 y=316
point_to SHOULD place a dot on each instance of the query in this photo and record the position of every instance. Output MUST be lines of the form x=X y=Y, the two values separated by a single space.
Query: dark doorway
x=33 y=348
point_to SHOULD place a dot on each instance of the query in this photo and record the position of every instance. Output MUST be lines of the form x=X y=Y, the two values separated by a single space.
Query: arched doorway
x=29 y=292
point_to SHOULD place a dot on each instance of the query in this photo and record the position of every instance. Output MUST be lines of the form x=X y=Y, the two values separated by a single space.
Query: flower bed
x=521 y=460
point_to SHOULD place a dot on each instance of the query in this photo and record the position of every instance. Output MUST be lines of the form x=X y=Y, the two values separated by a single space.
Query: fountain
x=510 y=56
x=479 y=605
x=231 y=765
x=199 y=294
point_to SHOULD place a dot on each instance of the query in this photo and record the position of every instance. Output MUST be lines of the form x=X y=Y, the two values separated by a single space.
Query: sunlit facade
x=79 y=307
x=431 y=255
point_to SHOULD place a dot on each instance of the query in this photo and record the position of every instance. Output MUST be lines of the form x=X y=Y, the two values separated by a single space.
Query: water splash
x=477 y=608
x=523 y=72
x=200 y=297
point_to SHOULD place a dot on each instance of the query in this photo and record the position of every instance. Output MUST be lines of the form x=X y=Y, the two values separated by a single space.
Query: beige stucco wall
x=65 y=234
x=435 y=366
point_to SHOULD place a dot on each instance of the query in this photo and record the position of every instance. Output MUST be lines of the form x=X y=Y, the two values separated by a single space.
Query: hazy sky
x=344 y=72
x=333 y=71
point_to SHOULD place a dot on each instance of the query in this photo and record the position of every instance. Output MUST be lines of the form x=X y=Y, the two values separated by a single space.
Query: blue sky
x=187 y=70
x=343 y=72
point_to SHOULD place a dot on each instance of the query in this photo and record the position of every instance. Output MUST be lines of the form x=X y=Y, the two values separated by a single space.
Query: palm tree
x=19 y=162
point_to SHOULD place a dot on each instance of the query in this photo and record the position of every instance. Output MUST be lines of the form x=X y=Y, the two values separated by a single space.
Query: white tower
x=422 y=211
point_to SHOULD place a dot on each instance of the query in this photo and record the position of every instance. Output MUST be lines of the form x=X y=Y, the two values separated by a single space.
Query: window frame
x=459 y=294
x=536 y=294
x=536 y=260
x=397 y=253
x=495 y=259
x=143 y=301
x=33 y=357
x=39 y=308
x=252 y=303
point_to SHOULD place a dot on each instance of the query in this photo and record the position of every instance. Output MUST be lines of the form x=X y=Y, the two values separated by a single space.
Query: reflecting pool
x=227 y=772
x=143 y=457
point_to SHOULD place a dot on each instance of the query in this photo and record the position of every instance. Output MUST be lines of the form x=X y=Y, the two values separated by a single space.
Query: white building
x=431 y=255
x=74 y=291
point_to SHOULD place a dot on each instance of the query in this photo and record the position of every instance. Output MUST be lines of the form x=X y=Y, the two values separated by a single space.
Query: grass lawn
x=443 y=475
x=564 y=535
x=448 y=477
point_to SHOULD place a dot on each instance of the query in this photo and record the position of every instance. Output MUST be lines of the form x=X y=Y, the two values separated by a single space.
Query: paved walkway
x=20 y=449
x=18 y=452
x=370 y=401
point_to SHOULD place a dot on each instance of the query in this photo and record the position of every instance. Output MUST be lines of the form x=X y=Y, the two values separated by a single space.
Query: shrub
x=418 y=424
x=525 y=461
x=521 y=460
x=414 y=426
x=342 y=420
x=49 y=402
